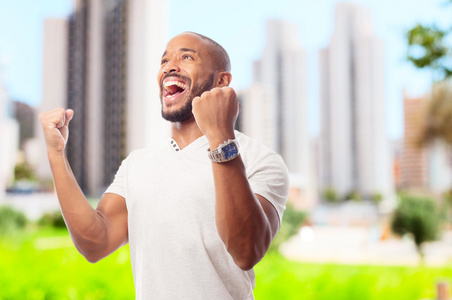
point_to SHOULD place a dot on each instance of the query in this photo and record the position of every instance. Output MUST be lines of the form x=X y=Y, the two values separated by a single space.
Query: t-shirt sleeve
x=118 y=186
x=270 y=179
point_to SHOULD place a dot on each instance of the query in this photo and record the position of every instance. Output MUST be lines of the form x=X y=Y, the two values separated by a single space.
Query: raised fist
x=215 y=112
x=55 y=126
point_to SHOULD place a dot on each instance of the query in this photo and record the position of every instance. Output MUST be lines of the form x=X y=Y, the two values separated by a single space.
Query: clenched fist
x=55 y=126
x=215 y=112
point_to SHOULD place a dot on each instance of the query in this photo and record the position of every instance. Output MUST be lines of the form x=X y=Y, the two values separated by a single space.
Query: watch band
x=226 y=151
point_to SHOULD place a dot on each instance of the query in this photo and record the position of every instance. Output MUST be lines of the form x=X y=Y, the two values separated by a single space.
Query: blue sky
x=240 y=27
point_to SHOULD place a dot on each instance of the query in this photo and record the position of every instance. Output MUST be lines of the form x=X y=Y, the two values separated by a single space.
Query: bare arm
x=95 y=232
x=245 y=222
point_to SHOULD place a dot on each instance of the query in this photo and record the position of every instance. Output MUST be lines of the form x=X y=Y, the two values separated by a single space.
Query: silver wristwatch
x=226 y=151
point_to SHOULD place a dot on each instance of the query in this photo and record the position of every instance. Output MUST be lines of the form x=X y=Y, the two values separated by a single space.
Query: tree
x=437 y=124
x=428 y=49
x=419 y=217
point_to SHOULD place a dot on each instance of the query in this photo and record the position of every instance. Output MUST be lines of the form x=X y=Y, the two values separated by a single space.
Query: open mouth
x=173 y=88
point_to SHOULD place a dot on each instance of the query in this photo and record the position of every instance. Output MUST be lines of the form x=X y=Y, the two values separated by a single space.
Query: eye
x=186 y=56
x=164 y=61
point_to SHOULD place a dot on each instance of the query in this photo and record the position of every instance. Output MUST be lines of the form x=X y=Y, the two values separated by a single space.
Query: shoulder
x=248 y=143
x=252 y=149
x=257 y=157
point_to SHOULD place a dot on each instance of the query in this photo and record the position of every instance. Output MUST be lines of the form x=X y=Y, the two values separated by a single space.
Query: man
x=196 y=226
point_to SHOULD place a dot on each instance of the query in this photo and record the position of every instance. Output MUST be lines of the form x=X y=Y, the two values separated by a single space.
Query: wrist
x=226 y=151
x=217 y=139
x=55 y=154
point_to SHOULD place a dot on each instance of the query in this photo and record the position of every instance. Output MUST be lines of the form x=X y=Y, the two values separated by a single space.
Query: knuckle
x=44 y=116
x=205 y=94
x=229 y=90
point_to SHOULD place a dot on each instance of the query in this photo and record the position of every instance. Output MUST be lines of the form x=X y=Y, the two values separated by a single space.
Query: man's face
x=186 y=72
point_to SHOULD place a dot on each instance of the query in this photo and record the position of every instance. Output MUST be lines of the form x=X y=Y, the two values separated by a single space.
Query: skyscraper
x=422 y=167
x=354 y=147
x=113 y=54
x=76 y=91
x=275 y=108
x=9 y=143
x=54 y=87
x=414 y=160
x=25 y=116
x=279 y=80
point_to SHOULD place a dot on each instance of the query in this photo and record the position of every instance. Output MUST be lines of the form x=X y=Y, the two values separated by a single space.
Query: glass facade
x=76 y=91
x=113 y=117
x=115 y=88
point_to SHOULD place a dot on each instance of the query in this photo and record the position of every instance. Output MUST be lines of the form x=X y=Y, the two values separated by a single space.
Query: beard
x=185 y=112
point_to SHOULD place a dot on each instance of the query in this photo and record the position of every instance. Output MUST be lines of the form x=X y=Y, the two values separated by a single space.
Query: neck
x=184 y=133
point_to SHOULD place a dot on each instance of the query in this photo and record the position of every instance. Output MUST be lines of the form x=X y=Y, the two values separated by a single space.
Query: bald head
x=220 y=57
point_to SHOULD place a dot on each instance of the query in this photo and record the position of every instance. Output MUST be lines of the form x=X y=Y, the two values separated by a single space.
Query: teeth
x=177 y=83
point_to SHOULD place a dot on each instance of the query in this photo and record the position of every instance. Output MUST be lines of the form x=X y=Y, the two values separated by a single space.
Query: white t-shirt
x=175 y=249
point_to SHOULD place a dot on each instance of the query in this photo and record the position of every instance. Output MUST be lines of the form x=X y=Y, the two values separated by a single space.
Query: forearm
x=86 y=227
x=241 y=221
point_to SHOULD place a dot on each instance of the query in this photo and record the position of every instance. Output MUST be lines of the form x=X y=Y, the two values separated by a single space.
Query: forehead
x=184 y=41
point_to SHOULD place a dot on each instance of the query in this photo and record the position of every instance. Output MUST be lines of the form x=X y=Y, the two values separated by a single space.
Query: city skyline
x=392 y=19
x=106 y=50
x=354 y=148
x=9 y=131
x=274 y=106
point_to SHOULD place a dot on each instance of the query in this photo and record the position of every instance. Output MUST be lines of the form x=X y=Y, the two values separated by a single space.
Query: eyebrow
x=188 y=50
x=182 y=50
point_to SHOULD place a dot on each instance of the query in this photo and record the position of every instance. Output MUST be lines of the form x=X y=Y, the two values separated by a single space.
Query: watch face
x=229 y=151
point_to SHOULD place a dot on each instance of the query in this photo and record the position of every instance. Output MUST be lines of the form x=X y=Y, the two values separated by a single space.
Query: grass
x=45 y=265
x=279 y=278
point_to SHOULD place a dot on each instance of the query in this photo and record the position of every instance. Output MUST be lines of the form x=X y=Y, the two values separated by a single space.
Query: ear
x=224 y=79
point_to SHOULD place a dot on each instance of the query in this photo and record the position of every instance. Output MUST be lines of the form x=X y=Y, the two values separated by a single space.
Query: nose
x=171 y=66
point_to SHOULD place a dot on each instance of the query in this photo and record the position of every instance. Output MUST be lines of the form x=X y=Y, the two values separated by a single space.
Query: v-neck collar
x=198 y=142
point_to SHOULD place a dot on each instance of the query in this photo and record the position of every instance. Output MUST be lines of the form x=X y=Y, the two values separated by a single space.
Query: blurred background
x=356 y=96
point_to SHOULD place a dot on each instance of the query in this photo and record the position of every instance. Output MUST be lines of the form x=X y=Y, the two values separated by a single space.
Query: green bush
x=11 y=220
x=419 y=217
x=53 y=219
x=330 y=195
x=23 y=171
x=291 y=222
x=376 y=197
x=354 y=196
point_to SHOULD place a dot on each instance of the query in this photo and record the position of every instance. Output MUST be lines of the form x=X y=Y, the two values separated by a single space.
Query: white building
x=9 y=139
x=354 y=145
x=275 y=108
x=439 y=167
x=54 y=79
x=255 y=116
x=108 y=54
